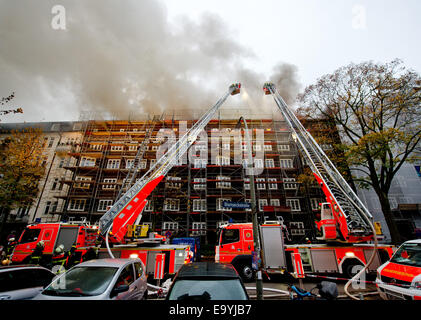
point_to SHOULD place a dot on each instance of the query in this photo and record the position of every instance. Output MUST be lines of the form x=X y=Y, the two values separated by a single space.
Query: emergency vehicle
x=54 y=235
x=235 y=245
x=400 y=277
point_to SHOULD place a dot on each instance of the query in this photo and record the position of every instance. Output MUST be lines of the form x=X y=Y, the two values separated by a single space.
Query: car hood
x=401 y=272
x=47 y=297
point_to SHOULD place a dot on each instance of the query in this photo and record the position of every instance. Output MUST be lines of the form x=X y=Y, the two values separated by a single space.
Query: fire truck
x=53 y=235
x=124 y=213
x=348 y=235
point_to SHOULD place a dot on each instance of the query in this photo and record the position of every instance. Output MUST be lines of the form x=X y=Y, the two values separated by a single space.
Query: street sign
x=159 y=266
x=298 y=265
x=236 y=205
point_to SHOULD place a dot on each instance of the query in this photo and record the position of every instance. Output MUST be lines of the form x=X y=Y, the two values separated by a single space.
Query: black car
x=207 y=281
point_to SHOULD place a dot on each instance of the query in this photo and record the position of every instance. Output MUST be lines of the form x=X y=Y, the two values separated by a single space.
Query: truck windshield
x=30 y=235
x=230 y=236
x=408 y=254
x=82 y=281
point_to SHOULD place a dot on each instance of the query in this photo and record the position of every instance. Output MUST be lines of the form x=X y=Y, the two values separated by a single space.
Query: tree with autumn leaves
x=377 y=110
x=20 y=170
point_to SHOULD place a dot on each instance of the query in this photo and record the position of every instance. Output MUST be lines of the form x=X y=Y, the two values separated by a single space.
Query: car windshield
x=208 y=290
x=409 y=254
x=81 y=281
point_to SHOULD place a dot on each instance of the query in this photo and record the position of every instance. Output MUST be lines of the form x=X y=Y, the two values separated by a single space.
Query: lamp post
x=256 y=231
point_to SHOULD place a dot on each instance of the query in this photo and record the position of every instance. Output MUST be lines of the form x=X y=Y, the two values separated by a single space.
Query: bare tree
x=377 y=110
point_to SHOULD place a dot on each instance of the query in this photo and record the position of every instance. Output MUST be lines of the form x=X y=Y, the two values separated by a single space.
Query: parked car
x=400 y=277
x=207 y=281
x=23 y=281
x=102 y=279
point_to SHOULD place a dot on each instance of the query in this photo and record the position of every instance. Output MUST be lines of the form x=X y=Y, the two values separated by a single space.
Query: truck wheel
x=349 y=270
x=246 y=272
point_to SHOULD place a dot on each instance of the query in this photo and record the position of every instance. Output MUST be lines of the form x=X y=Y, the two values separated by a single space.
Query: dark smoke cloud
x=285 y=78
x=115 y=58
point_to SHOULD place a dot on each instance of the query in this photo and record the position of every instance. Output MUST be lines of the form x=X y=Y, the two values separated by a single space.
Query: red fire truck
x=53 y=235
x=235 y=245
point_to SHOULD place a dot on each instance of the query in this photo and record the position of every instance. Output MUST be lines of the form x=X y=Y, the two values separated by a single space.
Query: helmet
x=40 y=244
x=59 y=249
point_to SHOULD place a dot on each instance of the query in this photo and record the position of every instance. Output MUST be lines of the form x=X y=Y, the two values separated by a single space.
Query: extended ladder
x=127 y=208
x=350 y=213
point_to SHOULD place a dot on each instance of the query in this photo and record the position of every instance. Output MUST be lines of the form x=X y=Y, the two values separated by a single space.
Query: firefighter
x=71 y=257
x=59 y=257
x=90 y=254
x=36 y=255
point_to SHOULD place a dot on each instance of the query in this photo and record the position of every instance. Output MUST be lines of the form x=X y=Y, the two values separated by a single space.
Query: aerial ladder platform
x=344 y=214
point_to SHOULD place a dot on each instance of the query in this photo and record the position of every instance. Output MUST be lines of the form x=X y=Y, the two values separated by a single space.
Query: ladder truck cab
x=400 y=277
x=53 y=235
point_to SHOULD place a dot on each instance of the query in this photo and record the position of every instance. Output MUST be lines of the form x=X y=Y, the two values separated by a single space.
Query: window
x=82 y=185
x=230 y=236
x=262 y=203
x=200 y=163
x=286 y=163
x=149 y=206
x=173 y=182
x=219 y=204
x=96 y=146
x=30 y=235
x=113 y=164
x=126 y=277
x=199 y=184
x=54 y=185
x=257 y=147
x=393 y=203
x=22 y=211
x=273 y=185
x=116 y=148
x=132 y=147
x=275 y=202
x=172 y=204
x=199 y=205
x=129 y=163
x=268 y=147
x=246 y=183
x=54 y=207
x=154 y=148
x=87 y=162
x=61 y=163
x=290 y=184
x=110 y=183
x=169 y=225
x=297 y=228
x=226 y=146
x=261 y=183
x=198 y=147
x=199 y=228
x=283 y=147
x=223 y=183
x=294 y=204
x=51 y=143
x=258 y=163
x=138 y=267
x=222 y=161
x=270 y=163
x=315 y=203
x=103 y=204
x=76 y=205
x=47 y=207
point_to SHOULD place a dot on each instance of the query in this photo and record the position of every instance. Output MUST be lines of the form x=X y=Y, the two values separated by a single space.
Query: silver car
x=23 y=281
x=102 y=279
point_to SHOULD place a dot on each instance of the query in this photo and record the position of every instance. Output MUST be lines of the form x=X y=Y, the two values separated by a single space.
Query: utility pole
x=256 y=231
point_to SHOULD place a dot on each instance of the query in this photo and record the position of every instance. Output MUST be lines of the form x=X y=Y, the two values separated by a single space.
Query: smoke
x=285 y=78
x=115 y=58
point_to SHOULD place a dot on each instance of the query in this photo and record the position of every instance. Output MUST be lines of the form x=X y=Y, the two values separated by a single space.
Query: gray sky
x=146 y=56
